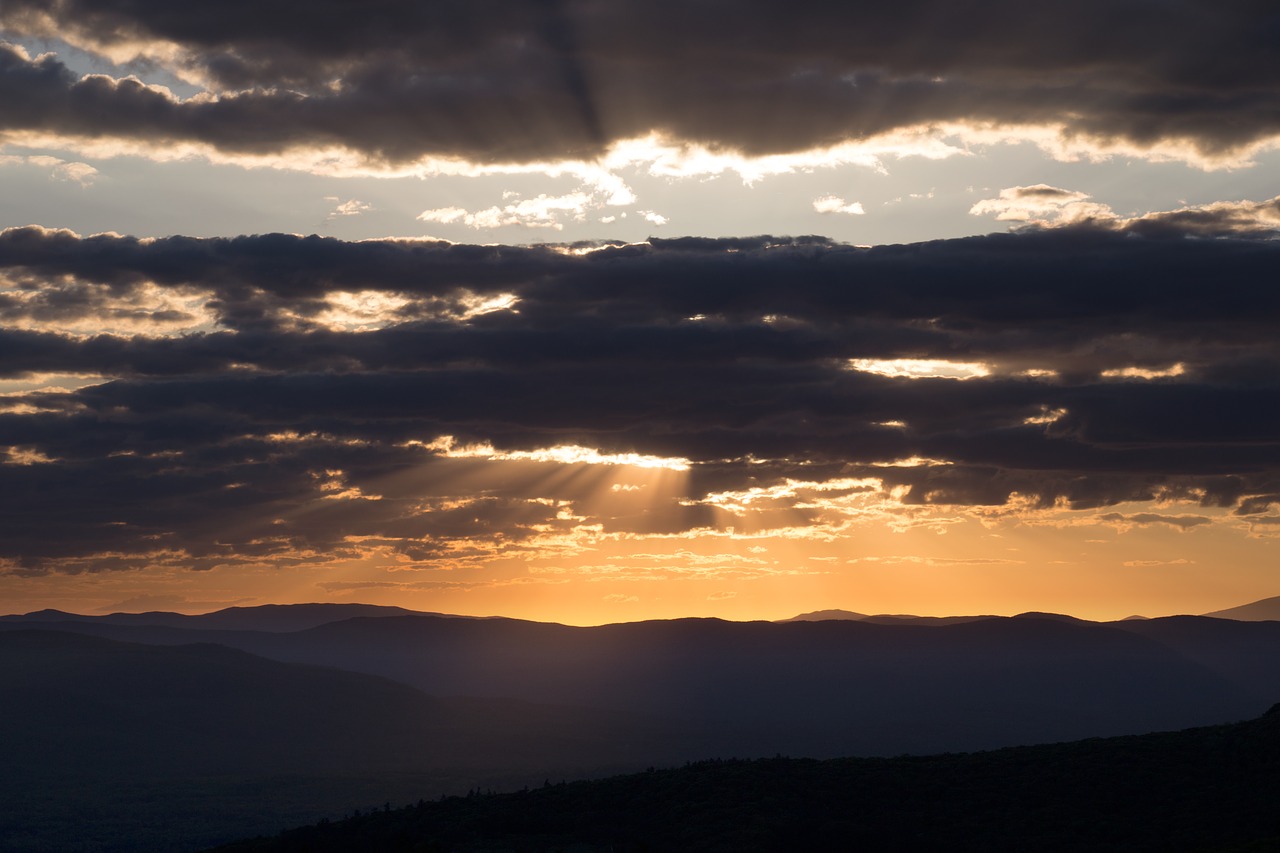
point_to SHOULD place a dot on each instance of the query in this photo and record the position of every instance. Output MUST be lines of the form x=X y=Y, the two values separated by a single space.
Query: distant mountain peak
x=49 y=614
x=1059 y=617
x=825 y=615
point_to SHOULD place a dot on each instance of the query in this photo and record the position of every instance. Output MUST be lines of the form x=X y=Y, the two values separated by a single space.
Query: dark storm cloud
x=506 y=80
x=270 y=434
x=1216 y=220
x=388 y=118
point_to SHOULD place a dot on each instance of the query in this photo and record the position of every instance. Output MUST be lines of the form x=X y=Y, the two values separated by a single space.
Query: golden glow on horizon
x=1097 y=564
x=598 y=537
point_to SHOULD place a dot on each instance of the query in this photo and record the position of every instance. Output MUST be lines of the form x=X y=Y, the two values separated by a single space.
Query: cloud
x=78 y=173
x=297 y=411
x=503 y=81
x=59 y=169
x=1146 y=519
x=1044 y=206
x=939 y=561
x=1220 y=219
x=541 y=212
x=350 y=207
x=834 y=204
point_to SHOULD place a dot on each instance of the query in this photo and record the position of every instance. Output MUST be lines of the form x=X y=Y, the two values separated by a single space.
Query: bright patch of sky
x=908 y=199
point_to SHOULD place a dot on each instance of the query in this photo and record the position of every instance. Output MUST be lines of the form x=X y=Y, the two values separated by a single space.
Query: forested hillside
x=1205 y=789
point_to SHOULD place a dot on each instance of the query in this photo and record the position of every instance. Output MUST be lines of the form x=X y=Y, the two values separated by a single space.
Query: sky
x=594 y=311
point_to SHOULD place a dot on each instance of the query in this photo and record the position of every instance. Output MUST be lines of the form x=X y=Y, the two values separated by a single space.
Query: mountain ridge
x=285 y=617
x=822 y=688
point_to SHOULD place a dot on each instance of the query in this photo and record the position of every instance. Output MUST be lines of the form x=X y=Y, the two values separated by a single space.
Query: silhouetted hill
x=1268 y=609
x=805 y=688
x=1058 y=617
x=816 y=688
x=880 y=618
x=115 y=746
x=822 y=615
x=1196 y=790
x=263 y=617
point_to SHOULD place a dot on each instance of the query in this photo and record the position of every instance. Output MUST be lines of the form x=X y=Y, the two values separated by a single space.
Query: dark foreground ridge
x=1203 y=789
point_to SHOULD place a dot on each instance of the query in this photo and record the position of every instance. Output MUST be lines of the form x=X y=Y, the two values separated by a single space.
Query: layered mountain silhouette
x=824 y=688
x=285 y=713
x=264 y=617
x=209 y=709
x=123 y=746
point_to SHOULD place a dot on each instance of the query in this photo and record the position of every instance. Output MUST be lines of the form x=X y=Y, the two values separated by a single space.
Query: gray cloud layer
x=502 y=80
x=718 y=351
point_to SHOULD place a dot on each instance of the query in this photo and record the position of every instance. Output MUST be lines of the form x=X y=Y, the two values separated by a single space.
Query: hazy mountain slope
x=108 y=744
x=209 y=709
x=1246 y=652
x=805 y=688
x=1202 y=789
x=820 y=688
x=154 y=635
x=1267 y=609
x=809 y=688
